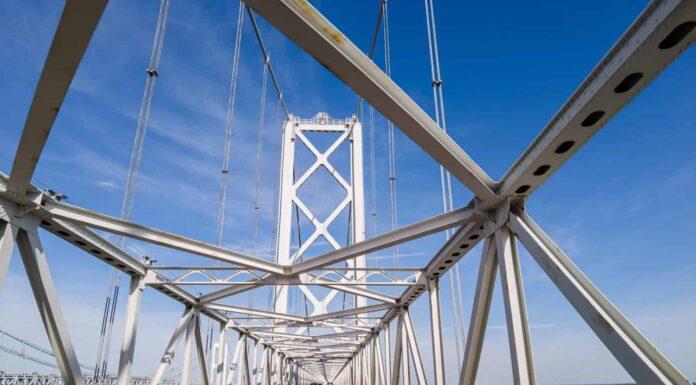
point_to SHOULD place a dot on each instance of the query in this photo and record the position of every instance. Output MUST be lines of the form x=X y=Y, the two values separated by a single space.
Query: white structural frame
x=351 y=353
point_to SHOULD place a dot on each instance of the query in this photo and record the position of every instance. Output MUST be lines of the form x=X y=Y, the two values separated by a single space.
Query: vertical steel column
x=234 y=367
x=387 y=354
x=415 y=352
x=135 y=295
x=405 y=362
x=262 y=366
x=479 y=314
x=633 y=351
x=373 y=359
x=41 y=282
x=8 y=234
x=219 y=368
x=171 y=346
x=515 y=308
x=283 y=242
x=358 y=202
x=255 y=364
x=188 y=346
x=247 y=377
x=380 y=362
x=268 y=366
x=436 y=330
x=398 y=347
x=201 y=352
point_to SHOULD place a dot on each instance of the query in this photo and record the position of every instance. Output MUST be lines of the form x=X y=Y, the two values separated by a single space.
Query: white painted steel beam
x=636 y=59
x=398 y=351
x=515 y=308
x=436 y=331
x=129 y=229
x=349 y=312
x=168 y=355
x=188 y=350
x=125 y=365
x=415 y=351
x=634 y=352
x=403 y=234
x=46 y=298
x=310 y=30
x=255 y=312
x=202 y=364
x=75 y=29
x=8 y=234
x=483 y=297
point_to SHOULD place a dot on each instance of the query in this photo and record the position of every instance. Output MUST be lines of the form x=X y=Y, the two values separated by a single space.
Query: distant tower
x=294 y=129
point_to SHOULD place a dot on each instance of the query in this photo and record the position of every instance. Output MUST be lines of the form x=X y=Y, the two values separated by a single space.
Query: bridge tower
x=295 y=129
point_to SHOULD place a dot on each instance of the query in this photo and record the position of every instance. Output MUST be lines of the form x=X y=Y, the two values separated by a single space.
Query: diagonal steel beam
x=75 y=29
x=310 y=30
x=349 y=312
x=255 y=312
x=649 y=45
x=35 y=263
x=403 y=234
x=129 y=229
x=634 y=352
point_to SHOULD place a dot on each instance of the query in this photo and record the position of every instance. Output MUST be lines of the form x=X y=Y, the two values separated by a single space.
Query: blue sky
x=622 y=207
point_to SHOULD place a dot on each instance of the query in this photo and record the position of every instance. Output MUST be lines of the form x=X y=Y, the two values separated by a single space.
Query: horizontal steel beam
x=643 y=52
x=310 y=30
x=75 y=29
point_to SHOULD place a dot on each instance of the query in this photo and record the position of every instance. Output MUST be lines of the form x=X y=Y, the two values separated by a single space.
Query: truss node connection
x=370 y=337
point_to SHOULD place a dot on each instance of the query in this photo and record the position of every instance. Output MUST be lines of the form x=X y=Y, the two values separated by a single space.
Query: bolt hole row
x=96 y=252
x=626 y=84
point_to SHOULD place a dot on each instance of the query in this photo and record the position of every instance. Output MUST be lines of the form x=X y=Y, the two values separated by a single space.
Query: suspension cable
x=373 y=45
x=445 y=176
x=390 y=135
x=268 y=61
x=131 y=185
x=259 y=153
x=373 y=171
x=229 y=129
x=35 y=347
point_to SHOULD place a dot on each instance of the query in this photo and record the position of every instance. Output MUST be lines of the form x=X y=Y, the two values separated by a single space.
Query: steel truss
x=357 y=348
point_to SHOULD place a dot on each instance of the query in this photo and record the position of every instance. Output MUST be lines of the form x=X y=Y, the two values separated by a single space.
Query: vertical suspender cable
x=131 y=184
x=390 y=135
x=373 y=171
x=229 y=126
x=259 y=154
x=445 y=177
x=229 y=129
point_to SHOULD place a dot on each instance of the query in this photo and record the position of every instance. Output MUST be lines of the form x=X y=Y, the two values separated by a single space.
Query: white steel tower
x=294 y=129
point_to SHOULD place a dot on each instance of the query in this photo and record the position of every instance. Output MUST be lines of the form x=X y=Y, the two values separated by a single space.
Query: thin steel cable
x=390 y=136
x=229 y=126
x=445 y=176
x=259 y=153
x=229 y=130
x=131 y=183
x=266 y=57
x=259 y=163
x=373 y=45
x=373 y=170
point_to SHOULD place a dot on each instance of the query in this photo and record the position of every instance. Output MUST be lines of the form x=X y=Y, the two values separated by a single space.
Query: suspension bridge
x=355 y=327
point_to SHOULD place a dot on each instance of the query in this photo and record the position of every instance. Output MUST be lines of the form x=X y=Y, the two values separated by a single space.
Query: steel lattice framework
x=357 y=347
